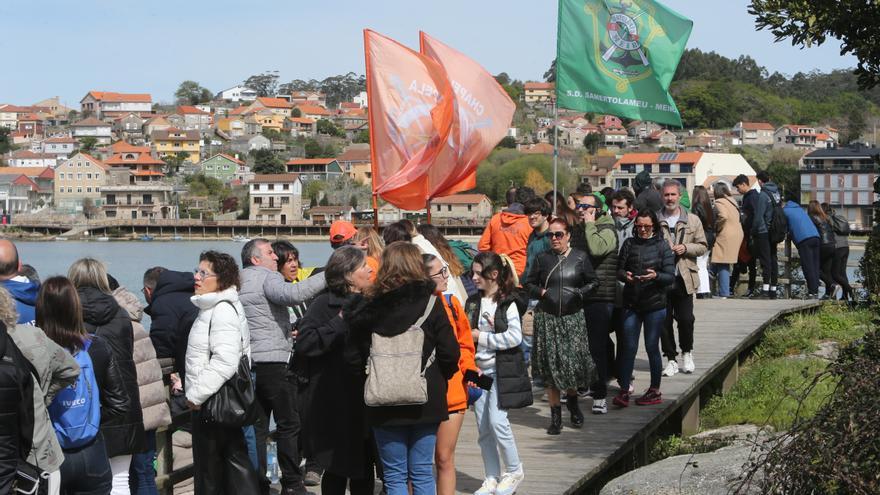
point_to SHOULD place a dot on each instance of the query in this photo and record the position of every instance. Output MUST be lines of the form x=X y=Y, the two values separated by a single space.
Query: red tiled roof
x=348 y=104
x=120 y=97
x=645 y=158
x=147 y=173
x=232 y=158
x=301 y=120
x=142 y=159
x=30 y=155
x=188 y=109
x=90 y=122
x=460 y=199
x=124 y=147
x=538 y=85
x=60 y=139
x=311 y=161
x=42 y=172
x=265 y=178
x=24 y=180
x=239 y=111
x=537 y=149
x=359 y=154
x=312 y=110
x=30 y=116
x=757 y=126
x=274 y=102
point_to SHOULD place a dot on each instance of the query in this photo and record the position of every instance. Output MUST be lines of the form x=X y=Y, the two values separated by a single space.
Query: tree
x=353 y=202
x=229 y=204
x=507 y=142
x=313 y=149
x=324 y=126
x=856 y=23
x=592 y=142
x=5 y=142
x=296 y=113
x=503 y=78
x=363 y=136
x=314 y=188
x=191 y=93
x=87 y=144
x=266 y=162
x=265 y=84
x=324 y=201
x=855 y=126
x=88 y=207
x=174 y=162
x=536 y=181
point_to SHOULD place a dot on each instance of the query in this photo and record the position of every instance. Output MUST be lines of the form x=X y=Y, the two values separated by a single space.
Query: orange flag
x=411 y=113
x=484 y=112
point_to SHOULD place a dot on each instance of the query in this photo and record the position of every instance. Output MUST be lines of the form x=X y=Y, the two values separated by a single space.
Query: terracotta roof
x=645 y=158
x=92 y=159
x=352 y=154
x=147 y=173
x=124 y=147
x=313 y=110
x=538 y=85
x=30 y=171
x=265 y=178
x=348 y=104
x=24 y=109
x=757 y=126
x=90 y=122
x=274 y=102
x=311 y=161
x=120 y=97
x=24 y=180
x=166 y=134
x=142 y=159
x=537 y=149
x=302 y=120
x=239 y=111
x=187 y=109
x=460 y=199
x=30 y=116
x=236 y=160
x=822 y=136
x=60 y=139
x=30 y=155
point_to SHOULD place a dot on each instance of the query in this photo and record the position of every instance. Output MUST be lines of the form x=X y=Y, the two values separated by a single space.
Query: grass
x=772 y=380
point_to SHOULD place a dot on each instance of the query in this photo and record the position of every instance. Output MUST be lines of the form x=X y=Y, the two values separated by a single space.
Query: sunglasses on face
x=585 y=206
x=645 y=227
x=557 y=234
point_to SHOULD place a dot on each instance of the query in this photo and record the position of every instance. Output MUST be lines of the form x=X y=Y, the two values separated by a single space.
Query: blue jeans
x=86 y=471
x=722 y=273
x=632 y=325
x=141 y=475
x=495 y=434
x=526 y=346
x=407 y=453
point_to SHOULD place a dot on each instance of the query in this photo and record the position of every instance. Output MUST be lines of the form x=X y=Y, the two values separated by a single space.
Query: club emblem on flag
x=622 y=47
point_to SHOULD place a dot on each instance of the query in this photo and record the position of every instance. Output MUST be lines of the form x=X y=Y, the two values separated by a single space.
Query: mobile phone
x=485 y=382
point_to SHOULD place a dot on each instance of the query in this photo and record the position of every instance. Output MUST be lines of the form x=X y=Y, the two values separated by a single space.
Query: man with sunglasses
x=598 y=305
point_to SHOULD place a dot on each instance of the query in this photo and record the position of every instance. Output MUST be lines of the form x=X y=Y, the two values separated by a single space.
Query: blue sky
x=66 y=48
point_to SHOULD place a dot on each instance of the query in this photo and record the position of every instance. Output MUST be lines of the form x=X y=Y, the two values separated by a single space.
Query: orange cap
x=342 y=230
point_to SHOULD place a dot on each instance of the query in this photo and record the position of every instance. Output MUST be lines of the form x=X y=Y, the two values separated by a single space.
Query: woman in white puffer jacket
x=217 y=341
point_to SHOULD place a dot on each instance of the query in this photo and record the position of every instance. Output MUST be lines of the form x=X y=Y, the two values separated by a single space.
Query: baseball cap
x=341 y=231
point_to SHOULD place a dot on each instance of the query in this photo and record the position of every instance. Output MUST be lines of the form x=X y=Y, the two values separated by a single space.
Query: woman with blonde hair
x=103 y=317
x=368 y=240
x=402 y=296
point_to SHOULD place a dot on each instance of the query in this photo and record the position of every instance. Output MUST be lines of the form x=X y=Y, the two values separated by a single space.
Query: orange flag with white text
x=411 y=112
x=484 y=112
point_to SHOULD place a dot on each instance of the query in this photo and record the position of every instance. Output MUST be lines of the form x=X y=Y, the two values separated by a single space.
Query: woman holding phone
x=646 y=266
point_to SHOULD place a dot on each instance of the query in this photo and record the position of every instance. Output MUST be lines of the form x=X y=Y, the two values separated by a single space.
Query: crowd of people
x=368 y=364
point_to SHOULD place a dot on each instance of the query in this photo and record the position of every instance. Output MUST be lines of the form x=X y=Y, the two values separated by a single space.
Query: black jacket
x=16 y=409
x=511 y=373
x=393 y=313
x=104 y=318
x=331 y=393
x=826 y=231
x=172 y=315
x=636 y=256
x=567 y=279
x=578 y=237
x=115 y=401
x=749 y=203
x=648 y=199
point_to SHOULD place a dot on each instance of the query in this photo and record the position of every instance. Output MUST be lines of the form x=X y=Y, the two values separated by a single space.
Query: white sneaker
x=600 y=406
x=671 y=368
x=510 y=482
x=488 y=488
x=689 y=362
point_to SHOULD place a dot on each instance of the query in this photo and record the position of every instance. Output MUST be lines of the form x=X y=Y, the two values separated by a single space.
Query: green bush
x=802 y=332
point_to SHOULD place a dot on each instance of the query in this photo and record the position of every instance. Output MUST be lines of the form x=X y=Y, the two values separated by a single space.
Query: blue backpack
x=76 y=410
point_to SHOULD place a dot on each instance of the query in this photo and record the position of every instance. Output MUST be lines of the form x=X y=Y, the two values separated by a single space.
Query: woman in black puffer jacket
x=103 y=317
x=827 y=245
x=561 y=356
x=646 y=266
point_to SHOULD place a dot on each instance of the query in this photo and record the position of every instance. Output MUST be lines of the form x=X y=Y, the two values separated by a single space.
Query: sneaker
x=312 y=479
x=600 y=406
x=688 y=362
x=760 y=295
x=652 y=396
x=671 y=368
x=510 y=482
x=621 y=399
x=585 y=393
x=488 y=488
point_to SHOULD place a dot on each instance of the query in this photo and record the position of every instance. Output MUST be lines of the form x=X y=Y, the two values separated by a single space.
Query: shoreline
x=294 y=238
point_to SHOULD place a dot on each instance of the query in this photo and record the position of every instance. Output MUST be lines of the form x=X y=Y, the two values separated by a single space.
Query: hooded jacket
x=56 y=369
x=265 y=296
x=104 y=318
x=172 y=315
x=800 y=226
x=25 y=294
x=392 y=313
x=217 y=341
x=508 y=233
x=764 y=202
x=151 y=388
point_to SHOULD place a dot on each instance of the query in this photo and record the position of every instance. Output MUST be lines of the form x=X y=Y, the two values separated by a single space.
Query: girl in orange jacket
x=466 y=376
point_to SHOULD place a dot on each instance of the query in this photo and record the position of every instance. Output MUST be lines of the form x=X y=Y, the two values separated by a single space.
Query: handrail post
x=787 y=271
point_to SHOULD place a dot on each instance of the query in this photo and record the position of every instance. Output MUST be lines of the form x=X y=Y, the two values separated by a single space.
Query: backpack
x=465 y=253
x=395 y=376
x=778 y=228
x=840 y=224
x=76 y=410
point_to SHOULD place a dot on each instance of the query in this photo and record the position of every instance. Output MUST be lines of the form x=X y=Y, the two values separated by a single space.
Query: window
x=448 y=207
x=470 y=207
x=79 y=176
x=286 y=187
x=70 y=189
x=439 y=208
x=863 y=180
x=285 y=200
x=258 y=200
x=271 y=187
x=848 y=181
x=79 y=164
x=665 y=168
x=835 y=197
x=70 y=164
x=686 y=169
x=88 y=176
x=79 y=189
x=61 y=175
x=863 y=198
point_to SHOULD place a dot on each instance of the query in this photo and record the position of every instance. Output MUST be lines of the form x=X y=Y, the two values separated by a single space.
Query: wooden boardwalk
x=567 y=463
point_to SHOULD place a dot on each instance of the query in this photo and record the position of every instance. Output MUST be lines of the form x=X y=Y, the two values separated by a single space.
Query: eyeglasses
x=585 y=206
x=444 y=272
x=557 y=234
x=203 y=274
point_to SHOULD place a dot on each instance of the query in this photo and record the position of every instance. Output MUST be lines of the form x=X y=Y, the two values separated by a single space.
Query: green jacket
x=602 y=248
x=538 y=243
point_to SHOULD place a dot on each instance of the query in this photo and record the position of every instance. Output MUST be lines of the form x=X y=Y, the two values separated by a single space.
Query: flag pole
x=555 y=153
x=376 y=210
x=428 y=209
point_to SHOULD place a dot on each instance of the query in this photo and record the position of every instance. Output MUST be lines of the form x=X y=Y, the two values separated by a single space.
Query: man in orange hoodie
x=508 y=232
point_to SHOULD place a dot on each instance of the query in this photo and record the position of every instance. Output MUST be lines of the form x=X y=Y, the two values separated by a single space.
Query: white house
x=106 y=104
x=361 y=99
x=61 y=146
x=92 y=127
x=237 y=93
x=26 y=158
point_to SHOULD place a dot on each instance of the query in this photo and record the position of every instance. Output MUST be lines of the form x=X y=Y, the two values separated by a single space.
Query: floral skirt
x=560 y=352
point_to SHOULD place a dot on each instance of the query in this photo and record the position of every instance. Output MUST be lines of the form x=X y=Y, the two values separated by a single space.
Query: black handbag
x=235 y=404
x=30 y=480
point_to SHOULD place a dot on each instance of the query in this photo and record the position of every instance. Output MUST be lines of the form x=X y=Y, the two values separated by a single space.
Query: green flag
x=618 y=57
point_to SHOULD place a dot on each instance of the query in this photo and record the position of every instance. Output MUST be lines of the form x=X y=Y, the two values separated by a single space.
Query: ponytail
x=503 y=265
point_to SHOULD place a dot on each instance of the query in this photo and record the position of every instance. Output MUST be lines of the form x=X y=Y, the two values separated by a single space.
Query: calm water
x=128 y=260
